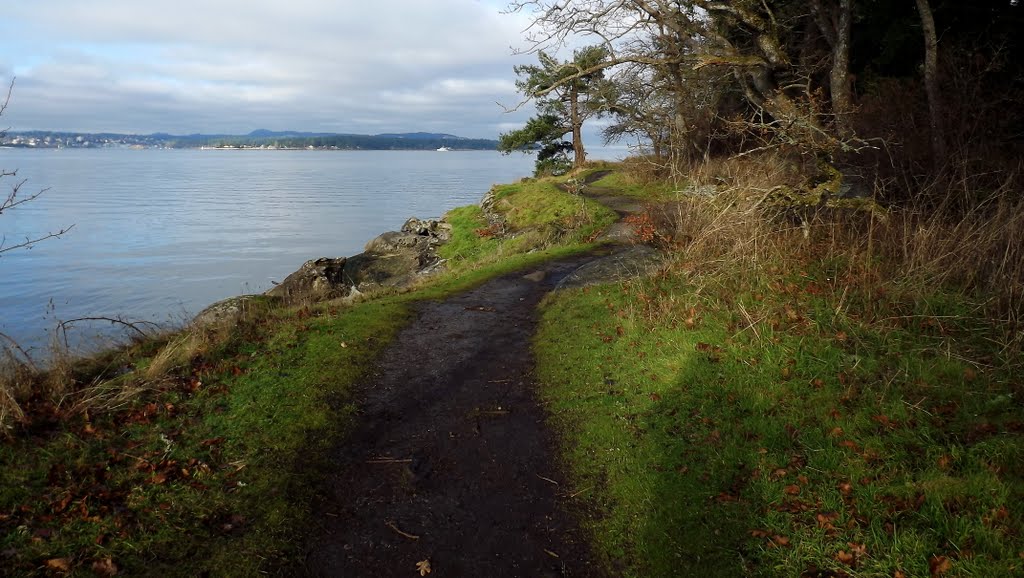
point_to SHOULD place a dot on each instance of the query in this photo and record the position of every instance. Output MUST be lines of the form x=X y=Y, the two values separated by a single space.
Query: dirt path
x=453 y=462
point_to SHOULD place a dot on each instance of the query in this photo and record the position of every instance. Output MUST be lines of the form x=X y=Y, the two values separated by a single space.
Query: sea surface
x=160 y=234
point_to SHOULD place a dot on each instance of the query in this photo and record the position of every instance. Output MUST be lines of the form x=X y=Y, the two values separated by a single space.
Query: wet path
x=453 y=462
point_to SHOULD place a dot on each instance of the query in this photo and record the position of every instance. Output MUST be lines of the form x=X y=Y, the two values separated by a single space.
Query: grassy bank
x=775 y=405
x=201 y=452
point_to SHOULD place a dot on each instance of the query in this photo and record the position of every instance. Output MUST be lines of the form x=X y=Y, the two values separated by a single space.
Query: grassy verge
x=628 y=185
x=804 y=441
x=788 y=410
x=542 y=222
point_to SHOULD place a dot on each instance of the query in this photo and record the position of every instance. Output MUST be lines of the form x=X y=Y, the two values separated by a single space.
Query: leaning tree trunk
x=579 y=155
x=931 y=82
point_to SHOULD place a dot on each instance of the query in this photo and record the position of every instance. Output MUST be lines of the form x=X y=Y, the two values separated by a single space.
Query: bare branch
x=12 y=199
x=17 y=347
x=29 y=241
x=828 y=30
x=7 y=100
x=63 y=326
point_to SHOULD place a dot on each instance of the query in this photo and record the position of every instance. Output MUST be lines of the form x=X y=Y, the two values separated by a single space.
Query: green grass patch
x=624 y=184
x=541 y=222
x=776 y=425
x=539 y=202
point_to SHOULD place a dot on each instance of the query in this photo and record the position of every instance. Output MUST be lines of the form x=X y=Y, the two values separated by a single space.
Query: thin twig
x=752 y=325
x=19 y=349
x=917 y=407
x=63 y=326
x=406 y=534
x=547 y=479
x=573 y=495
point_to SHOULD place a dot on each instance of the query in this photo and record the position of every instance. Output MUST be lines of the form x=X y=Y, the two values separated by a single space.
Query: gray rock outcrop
x=392 y=259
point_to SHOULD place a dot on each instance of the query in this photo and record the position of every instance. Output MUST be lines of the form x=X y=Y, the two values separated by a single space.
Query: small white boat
x=443 y=150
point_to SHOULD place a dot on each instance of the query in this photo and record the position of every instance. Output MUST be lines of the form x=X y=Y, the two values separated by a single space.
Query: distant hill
x=422 y=136
x=259 y=138
x=264 y=133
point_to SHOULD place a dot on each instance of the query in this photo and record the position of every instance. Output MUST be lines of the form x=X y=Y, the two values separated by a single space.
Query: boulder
x=397 y=242
x=393 y=259
x=226 y=312
x=321 y=278
x=438 y=231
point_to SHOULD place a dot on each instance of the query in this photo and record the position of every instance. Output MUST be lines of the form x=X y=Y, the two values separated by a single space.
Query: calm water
x=160 y=234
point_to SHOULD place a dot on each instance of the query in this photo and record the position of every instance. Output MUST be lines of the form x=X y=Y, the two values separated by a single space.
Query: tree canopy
x=909 y=84
x=566 y=94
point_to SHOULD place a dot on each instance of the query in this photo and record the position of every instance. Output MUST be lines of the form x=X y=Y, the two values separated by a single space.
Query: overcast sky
x=231 y=66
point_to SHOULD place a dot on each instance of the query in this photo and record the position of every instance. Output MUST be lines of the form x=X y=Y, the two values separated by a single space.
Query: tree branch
x=28 y=242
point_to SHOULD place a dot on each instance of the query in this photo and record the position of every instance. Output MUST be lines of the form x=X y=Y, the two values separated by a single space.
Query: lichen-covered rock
x=226 y=312
x=368 y=271
x=489 y=205
x=438 y=231
x=396 y=242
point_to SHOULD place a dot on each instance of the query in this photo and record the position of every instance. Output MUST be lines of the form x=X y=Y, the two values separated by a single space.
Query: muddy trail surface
x=452 y=463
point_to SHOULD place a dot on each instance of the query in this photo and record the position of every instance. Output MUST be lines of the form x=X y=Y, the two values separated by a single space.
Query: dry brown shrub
x=645 y=169
x=977 y=249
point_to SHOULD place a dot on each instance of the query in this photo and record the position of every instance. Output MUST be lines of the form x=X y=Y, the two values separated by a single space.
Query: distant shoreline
x=261 y=140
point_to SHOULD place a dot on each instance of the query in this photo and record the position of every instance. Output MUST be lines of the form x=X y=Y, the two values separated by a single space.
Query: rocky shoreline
x=394 y=259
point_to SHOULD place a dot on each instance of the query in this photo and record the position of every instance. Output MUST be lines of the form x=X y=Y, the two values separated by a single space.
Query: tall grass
x=976 y=249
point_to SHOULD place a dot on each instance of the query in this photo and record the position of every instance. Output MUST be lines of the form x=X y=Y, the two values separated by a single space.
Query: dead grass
x=69 y=384
x=977 y=250
x=13 y=373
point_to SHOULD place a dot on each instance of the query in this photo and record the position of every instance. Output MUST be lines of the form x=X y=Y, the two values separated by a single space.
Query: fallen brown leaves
x=939 y=565
x=825 y=522
x=62 y=565
x=104 y=567
x=772 y=540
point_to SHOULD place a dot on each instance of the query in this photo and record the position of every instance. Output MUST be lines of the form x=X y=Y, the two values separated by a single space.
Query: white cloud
x=234 y=65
